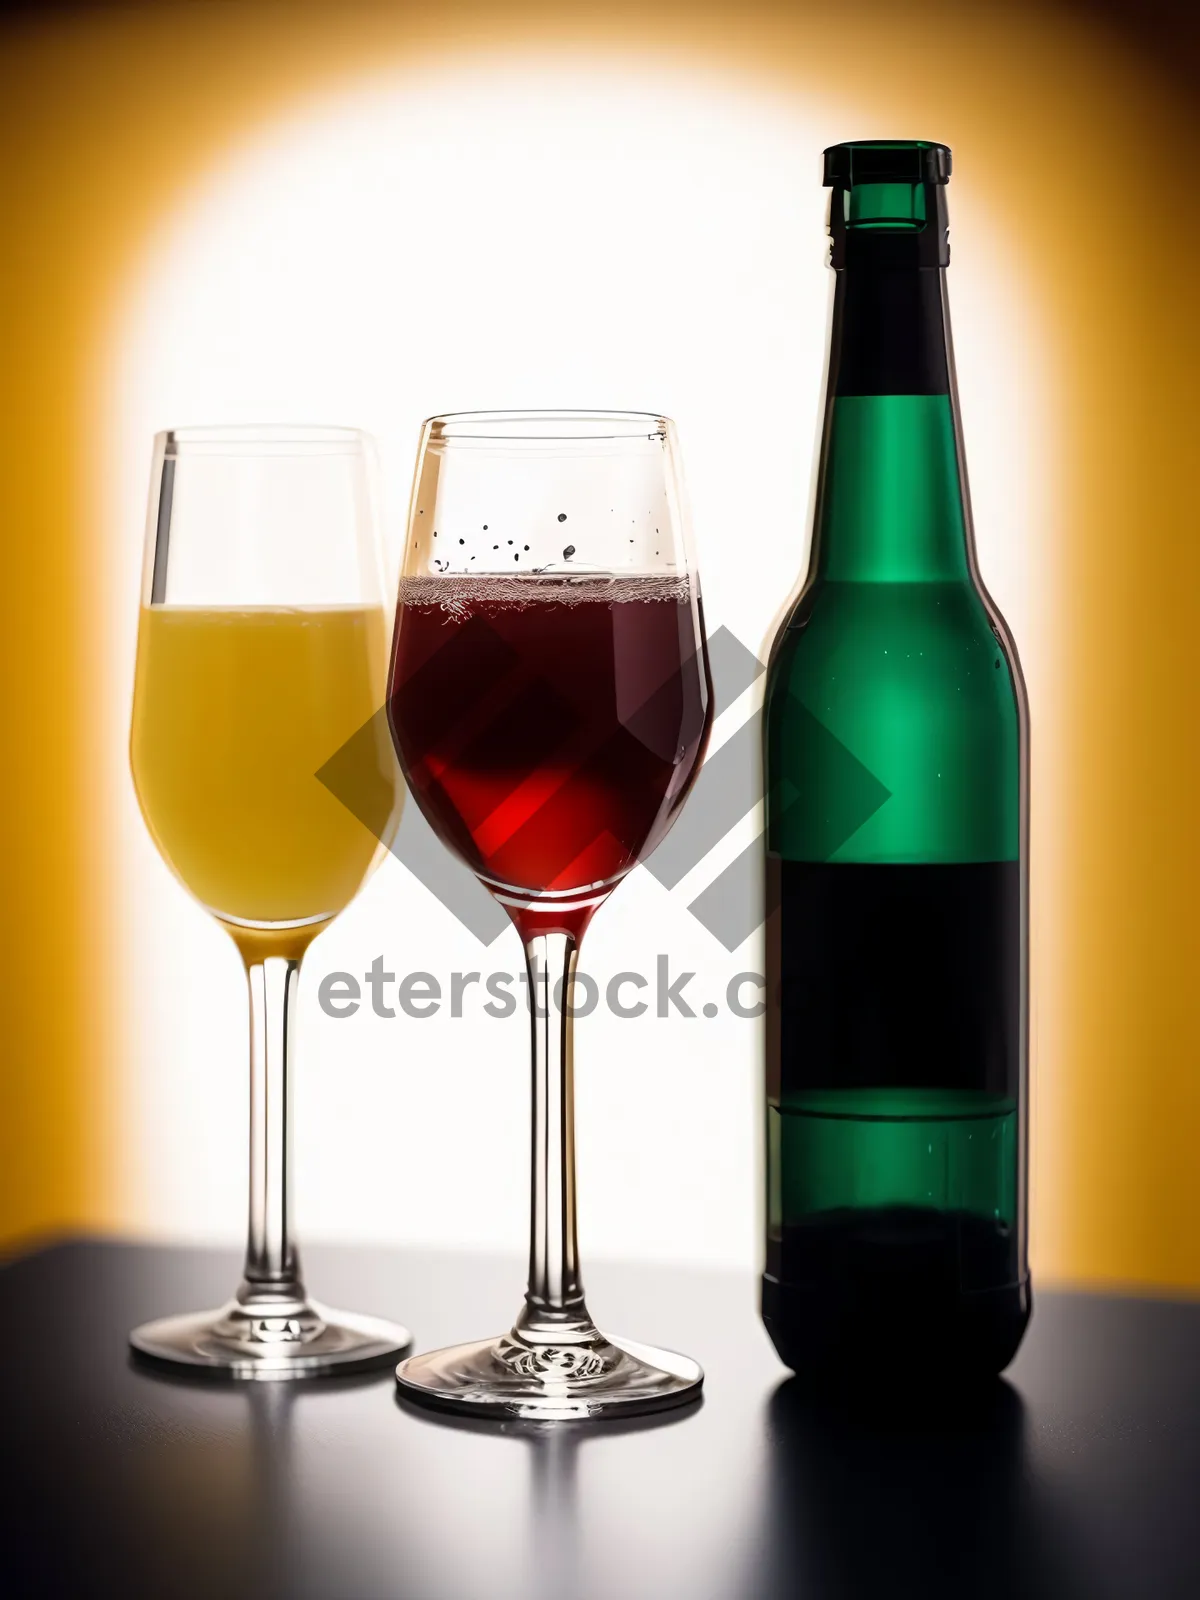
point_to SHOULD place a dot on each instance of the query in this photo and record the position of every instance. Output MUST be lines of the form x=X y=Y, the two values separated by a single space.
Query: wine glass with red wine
x=550 y=703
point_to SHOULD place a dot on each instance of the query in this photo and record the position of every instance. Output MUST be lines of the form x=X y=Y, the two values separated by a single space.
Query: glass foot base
x=297 y=1340
x=573 y=1381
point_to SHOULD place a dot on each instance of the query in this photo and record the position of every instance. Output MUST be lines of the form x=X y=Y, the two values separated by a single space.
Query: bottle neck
x=890 y=331
x=890 y=501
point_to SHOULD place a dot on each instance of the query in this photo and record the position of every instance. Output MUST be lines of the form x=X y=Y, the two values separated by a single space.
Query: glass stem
x=272 y=1272
x=554 y=1310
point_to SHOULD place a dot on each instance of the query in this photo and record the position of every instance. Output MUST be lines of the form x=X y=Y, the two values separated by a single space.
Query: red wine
x=549 y=727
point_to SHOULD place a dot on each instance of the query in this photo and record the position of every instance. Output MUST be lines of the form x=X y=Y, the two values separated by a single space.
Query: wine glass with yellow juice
x=236 y=709
x=262 y=649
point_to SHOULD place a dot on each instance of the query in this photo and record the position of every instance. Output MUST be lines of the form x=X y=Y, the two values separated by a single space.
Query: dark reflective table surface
x=1078 y=1476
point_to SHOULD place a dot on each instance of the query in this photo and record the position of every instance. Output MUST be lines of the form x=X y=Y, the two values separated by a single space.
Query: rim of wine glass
x=262 y=438
x=549 y=426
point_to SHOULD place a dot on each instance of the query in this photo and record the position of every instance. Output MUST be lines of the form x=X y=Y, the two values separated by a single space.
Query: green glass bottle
x=896 y=781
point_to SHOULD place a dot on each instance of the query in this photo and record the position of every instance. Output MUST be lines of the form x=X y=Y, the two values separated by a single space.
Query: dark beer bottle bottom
x=875 y=1294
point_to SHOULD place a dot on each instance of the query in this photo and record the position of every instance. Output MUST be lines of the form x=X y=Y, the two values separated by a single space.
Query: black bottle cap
x=886 y=161
x=888 y=205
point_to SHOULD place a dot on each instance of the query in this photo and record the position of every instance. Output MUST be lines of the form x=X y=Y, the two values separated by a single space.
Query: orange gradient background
x=1082 y=143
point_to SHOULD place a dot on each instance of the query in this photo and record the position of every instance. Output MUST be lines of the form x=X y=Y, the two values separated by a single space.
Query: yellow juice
x=235 y=710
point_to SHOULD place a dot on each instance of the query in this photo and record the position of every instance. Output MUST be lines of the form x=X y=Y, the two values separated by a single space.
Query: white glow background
x=513 y=233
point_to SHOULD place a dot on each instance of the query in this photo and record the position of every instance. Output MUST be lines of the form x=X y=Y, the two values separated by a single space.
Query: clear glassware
x=550 y=703
x=262 y=647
